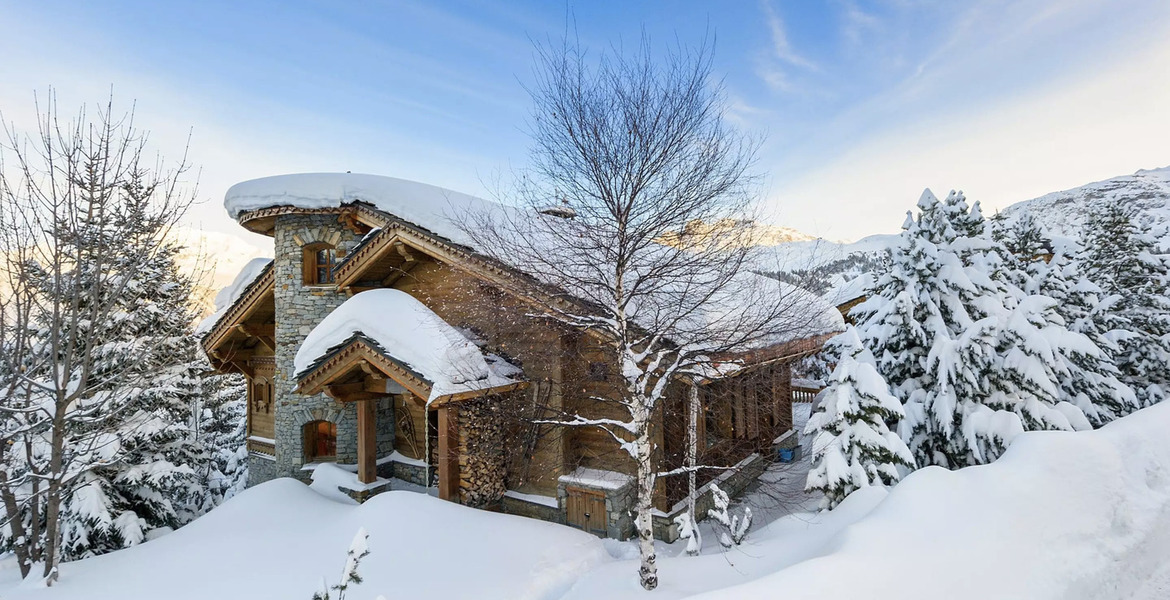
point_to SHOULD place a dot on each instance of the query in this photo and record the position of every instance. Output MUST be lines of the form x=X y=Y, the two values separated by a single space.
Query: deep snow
x=1069 y=515
x=277 y=540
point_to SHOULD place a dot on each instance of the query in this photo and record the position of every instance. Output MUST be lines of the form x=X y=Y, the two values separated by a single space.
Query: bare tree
x=639 y=205
x=82 y=206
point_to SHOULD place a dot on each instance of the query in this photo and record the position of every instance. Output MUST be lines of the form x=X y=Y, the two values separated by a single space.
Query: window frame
x=311 y=264
x=310 y=433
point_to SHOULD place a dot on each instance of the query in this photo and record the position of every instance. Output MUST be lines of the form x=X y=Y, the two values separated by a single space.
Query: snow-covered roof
x=850 y=289
x=427 y=206
x=438 y=210
x=230 y=294
x=410 y=333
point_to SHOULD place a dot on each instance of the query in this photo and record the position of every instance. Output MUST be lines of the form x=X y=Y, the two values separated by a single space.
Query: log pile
x=481 y=452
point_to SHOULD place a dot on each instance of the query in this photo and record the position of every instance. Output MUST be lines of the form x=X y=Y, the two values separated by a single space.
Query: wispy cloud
x=773 y=69
x=781 y=46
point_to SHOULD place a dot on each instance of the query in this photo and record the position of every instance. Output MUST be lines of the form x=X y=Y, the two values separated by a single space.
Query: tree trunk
x=644 y=519
x=692 y=451
x=20 y=549
x=53 y=497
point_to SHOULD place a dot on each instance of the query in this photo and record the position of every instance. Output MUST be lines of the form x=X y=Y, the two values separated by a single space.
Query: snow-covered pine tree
x=853 y=446
x=1087 y=377
x=221 y=424
x=1125 y=262
x=1031 y=341
x=931 y=331
x=152 y=483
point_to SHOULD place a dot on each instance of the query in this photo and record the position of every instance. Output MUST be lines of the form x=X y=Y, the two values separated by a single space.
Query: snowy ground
x=1080 y=516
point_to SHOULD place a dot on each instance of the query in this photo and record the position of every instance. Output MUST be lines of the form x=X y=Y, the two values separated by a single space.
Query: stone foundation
x=260 y=469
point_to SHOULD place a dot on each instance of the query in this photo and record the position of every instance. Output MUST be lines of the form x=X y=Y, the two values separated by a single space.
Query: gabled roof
x=394 y=332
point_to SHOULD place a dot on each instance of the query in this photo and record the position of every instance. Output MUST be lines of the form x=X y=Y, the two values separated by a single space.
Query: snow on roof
x=407 y=331
x=427 y=206
x=437 y=209
x=850 y=289
x=228 y=295
x=596 y=478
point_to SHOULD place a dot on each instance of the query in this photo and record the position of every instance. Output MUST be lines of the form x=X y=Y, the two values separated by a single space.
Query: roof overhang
x=359 y=217
x=753 y=360
x=231 y=339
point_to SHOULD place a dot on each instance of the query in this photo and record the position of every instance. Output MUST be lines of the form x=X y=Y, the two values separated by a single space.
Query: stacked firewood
x=481 y=452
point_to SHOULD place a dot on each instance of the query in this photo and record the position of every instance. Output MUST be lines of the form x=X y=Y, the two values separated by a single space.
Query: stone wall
x=298 y=309
x=260 y=469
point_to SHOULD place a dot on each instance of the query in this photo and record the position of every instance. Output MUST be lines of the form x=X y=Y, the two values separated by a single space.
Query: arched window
x=320 y=441
x=318 y=260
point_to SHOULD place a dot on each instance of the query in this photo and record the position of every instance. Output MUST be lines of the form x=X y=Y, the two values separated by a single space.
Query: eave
x=216 y=344
x=358 y=217
x=352 y=371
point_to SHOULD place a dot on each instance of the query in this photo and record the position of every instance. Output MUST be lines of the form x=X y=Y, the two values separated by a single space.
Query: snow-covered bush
x=735 y=527
x=358 y=549
x=689 y=530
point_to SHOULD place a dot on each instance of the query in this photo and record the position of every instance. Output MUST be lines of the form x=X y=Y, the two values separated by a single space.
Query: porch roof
x=393 y=332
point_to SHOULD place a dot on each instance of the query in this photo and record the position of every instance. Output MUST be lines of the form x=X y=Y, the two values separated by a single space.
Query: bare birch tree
x=76 y=197
x=639 y=204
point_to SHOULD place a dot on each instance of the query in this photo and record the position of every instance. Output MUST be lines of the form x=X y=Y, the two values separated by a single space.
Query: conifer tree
x=854 y=447
x=1087 y=377
x=152 y=482
x=930 y=331
x=1125 y=262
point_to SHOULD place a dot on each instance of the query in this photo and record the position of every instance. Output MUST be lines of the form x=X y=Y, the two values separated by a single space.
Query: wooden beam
x=374 y=385
x=448 y=455
x=254 y=330
x=367 y=440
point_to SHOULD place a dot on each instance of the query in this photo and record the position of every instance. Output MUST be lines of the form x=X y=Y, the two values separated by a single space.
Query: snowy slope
x=1063 y=213
x=1062 y=515
x=1082 y=515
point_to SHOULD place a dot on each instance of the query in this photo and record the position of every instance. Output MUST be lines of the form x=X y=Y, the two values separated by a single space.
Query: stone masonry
x=299 y=308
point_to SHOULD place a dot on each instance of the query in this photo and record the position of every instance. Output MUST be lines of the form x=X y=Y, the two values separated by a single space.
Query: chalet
x=380 y=340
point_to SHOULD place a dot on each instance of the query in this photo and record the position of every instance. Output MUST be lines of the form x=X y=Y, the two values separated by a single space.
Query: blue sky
x=863 y=103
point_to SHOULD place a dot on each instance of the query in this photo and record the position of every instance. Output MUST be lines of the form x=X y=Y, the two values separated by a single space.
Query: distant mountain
x=833 y=268
x=1063 y=214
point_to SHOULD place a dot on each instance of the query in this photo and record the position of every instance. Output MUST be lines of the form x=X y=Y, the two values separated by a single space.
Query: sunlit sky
x=863 y=104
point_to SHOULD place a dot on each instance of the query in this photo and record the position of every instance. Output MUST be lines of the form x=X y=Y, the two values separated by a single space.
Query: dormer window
x=319 y=259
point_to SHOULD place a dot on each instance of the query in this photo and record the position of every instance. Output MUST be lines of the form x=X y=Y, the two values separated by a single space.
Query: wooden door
x=586 y=510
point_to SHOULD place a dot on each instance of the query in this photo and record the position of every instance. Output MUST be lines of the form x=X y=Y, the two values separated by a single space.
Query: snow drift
x=277 y=540
x=1060 y=515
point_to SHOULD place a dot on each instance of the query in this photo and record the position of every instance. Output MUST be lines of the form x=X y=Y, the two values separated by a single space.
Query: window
x=598 y=371
x=261 y=395
x=318 y=260
x=320 y=441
